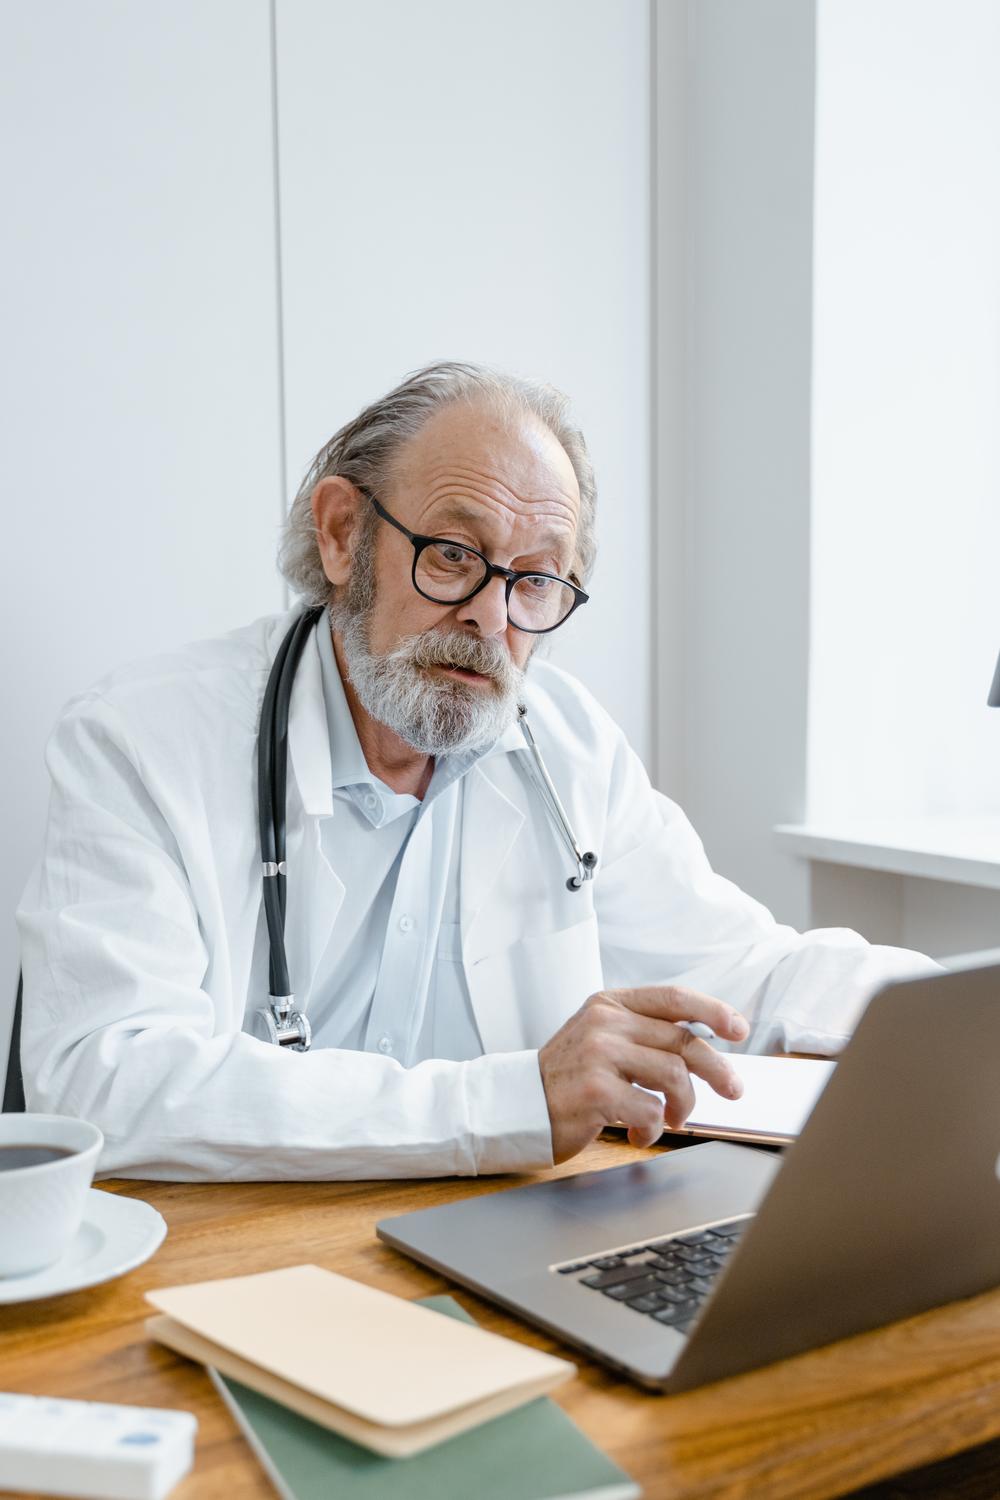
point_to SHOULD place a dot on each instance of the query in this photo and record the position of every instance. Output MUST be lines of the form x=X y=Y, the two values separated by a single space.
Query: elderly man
x=480 y=999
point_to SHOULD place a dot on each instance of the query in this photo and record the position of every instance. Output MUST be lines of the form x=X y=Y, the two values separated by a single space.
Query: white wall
x=732 y=717
x=888 y=708
x=942 y=918
x=472 y=182
x=139 y=468
x=906 y=476
x=905 y=621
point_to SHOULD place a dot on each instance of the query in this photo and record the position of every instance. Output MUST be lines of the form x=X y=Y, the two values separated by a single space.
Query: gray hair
x=364 y=452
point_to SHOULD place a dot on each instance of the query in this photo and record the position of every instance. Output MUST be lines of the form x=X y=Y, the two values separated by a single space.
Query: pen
x=698 y=1028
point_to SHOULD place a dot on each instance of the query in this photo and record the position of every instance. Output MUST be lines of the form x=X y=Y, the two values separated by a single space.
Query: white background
x=733 y=397
x=906 y=434
x=140 y=463
x=481 y=193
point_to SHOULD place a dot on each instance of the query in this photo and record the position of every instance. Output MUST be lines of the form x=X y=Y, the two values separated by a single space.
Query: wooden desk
x=815 y=1426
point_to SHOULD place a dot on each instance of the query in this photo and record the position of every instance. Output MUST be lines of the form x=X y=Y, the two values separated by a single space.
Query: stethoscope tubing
x=272 y=780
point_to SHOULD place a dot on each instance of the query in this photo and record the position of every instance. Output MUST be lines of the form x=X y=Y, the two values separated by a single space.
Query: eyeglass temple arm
x=585 y=863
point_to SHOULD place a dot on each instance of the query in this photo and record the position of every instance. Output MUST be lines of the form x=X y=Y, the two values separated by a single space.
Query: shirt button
x=385 y=1044
x=406 y=924
x=371 y=801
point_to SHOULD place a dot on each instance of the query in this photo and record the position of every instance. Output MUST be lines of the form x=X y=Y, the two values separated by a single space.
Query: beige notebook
x=386 y=1373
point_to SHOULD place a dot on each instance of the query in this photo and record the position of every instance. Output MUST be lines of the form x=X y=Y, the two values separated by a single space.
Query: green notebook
x=534 y=1453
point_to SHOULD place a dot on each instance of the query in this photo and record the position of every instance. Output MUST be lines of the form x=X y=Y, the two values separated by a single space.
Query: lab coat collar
x=511 y=739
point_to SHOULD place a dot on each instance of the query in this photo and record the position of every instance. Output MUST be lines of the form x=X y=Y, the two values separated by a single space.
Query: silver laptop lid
x=889 y=1203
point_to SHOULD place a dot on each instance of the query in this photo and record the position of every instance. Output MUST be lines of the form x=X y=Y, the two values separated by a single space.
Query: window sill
x=966 y=851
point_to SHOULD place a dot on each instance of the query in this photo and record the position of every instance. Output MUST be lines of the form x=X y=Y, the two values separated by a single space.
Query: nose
x=488 y=610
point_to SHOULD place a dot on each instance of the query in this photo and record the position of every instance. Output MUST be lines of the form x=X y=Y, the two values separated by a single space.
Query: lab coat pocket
x=522 y=994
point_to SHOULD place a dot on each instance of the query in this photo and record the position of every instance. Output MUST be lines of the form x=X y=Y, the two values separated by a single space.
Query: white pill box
x=93 y=1451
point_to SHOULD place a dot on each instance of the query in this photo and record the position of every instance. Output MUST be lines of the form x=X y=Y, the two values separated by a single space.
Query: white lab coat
x=144 y=950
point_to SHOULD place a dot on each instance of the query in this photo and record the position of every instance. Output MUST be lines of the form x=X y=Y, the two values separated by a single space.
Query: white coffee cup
x=41 y=1206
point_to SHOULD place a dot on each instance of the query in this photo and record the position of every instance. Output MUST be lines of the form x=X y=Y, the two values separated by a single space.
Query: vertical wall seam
x=669 y=443
x=278 y=273
x=686 y=473
x=810 y=569
x=655 y=613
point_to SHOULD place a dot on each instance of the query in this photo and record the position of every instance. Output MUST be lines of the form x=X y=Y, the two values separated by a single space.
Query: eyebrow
x=457 y=511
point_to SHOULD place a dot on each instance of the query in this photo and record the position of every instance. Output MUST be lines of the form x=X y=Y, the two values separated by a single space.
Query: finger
x=673 y=1081
x=641 y=1112
x=649 y=1031
x=675 y=1002
x=646 y=1137
x=656 y=1068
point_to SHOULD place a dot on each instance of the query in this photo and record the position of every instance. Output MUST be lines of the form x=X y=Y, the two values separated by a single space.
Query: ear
x=336 y=508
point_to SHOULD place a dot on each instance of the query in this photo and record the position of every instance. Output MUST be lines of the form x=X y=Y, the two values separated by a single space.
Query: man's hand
x=621 y=1037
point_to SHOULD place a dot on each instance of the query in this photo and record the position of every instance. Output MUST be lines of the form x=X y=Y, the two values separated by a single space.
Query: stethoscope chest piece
x=282 y=1025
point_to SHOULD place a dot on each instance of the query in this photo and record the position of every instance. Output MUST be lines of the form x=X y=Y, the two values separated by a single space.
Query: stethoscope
x=279 y=1022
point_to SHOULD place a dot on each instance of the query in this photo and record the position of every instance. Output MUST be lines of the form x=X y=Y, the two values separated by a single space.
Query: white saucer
x=115 y=1235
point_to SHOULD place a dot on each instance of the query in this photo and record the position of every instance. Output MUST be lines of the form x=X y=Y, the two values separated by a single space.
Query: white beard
x=436 y=715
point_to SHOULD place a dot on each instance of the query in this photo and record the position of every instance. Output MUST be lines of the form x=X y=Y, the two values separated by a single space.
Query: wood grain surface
x=820 y=1425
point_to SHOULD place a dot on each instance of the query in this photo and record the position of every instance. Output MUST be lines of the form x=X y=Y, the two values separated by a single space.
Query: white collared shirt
x=391 y=979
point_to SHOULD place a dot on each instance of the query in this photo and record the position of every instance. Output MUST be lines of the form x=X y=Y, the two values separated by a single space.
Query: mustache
x=472 y=653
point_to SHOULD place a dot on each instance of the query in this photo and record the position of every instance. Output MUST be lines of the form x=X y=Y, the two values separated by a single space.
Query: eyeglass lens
x=446 y=573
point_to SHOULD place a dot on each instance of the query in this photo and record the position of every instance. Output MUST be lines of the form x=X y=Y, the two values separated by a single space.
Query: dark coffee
x=12 y=1157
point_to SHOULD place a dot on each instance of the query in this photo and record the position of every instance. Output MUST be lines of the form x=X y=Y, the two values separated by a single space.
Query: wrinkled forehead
x=511 y=466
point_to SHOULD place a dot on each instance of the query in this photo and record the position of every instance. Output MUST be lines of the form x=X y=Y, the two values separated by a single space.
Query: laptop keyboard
x=667 y=1279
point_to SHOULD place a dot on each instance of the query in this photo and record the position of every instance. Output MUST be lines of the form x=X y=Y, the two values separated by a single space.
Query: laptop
x=717 y=1258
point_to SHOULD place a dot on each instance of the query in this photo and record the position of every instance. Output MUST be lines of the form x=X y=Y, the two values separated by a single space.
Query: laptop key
x=675 y=1276
x=645 y=1304
x=639 y=1288
x=606 y=1263
x=714 y=1264
x=671 y=1293
x=612 y=1278
x=700 y=1285
x=568 y=1270
x=676 y=1314
x=730 y=1231
x=703 y=1237
x=664 y=1262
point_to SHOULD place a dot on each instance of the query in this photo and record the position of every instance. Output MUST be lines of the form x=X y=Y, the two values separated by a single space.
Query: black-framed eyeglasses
x=448 y=572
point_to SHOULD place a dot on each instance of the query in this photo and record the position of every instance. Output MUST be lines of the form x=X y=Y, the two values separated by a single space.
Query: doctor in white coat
x=470 y=1012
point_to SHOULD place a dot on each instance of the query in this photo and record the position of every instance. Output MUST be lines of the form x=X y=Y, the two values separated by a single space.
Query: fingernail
x=740 y=1027
x=735 y=1088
